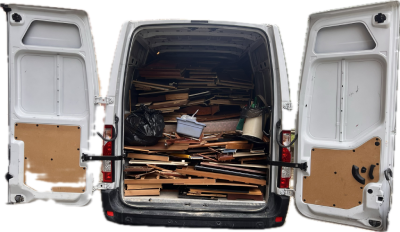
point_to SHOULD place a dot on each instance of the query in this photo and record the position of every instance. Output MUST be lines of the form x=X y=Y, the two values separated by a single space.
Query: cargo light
x=285 y=156
x=107 y=151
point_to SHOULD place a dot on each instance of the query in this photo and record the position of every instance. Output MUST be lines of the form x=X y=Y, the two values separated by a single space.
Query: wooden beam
x=189 y=171
x=169 y=181
x=148 y=157
x=142 y=192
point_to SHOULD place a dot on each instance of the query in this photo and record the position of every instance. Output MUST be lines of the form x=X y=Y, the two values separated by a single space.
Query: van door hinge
x=287 y=105
x=86 y=157
x=286 y=192
x=302 y=166
x=101 y=100
x=103 y=186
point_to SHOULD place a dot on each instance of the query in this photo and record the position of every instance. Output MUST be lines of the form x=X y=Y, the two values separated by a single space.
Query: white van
x=345 y=129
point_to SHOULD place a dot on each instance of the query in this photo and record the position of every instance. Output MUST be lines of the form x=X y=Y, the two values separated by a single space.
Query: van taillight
x=107 y=151
x=285 y=156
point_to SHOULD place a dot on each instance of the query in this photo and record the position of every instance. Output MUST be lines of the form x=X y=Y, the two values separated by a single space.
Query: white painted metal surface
x=53 y=80
x=348 y=96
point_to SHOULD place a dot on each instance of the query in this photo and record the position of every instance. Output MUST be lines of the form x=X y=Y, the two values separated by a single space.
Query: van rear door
x=52 y=88
x=346 y=119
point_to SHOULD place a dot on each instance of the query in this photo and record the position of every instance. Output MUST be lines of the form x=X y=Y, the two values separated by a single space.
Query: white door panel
x=347 y=99
x=53 y=83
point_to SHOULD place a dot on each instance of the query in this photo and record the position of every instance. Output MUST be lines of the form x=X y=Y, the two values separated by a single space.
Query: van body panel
x=52 y=83
x=123 y=214
x=348 y=99
x=119 y=71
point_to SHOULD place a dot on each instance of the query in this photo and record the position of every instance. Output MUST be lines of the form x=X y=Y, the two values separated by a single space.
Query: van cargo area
x=177 y=71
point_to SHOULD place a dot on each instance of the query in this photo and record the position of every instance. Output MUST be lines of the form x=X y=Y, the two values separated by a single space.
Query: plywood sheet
x=331 y=182
x=52 y=152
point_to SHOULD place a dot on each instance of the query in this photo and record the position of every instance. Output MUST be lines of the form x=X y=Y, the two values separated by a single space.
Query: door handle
x=356 y=174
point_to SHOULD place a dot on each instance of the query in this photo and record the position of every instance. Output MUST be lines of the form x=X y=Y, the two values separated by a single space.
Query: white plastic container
x=188 y=125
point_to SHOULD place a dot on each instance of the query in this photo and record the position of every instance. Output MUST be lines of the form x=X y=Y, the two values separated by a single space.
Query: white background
x=106 y=19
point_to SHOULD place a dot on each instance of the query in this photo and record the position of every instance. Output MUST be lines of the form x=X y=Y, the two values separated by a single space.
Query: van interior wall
x=217 y=75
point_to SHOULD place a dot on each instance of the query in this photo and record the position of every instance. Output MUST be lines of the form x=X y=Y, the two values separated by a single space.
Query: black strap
x=278 y=126
x=116 y=131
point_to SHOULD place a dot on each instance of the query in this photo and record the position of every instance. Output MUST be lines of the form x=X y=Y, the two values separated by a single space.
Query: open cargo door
x=346 y=120
x=52 y=88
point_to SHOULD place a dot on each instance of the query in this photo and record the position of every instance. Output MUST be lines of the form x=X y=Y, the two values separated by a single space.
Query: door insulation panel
x=331 y=182
x=52 y=155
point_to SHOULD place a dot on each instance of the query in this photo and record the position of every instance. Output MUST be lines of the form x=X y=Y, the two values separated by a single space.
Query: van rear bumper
x=123 y=214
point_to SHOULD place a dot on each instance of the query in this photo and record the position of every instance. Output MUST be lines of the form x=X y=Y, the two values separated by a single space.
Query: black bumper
x=277 y=207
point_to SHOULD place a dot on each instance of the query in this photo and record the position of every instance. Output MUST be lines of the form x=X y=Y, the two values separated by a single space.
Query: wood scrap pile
x=183 y=88
x=220 y=165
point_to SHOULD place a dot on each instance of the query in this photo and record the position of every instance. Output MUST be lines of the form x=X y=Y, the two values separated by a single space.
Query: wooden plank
x=217 y=144
x=253 y=158
x=223 y=184
x=143 y=186
x=176 y=96
x=159 y=98
x=190 y=171
x=244 y=154
x=165 y=92
x=169 y=181
x=239 y=146
x=143 y=192
x=232 y=168
x=154 y=84
x=203 y=110
x=137 y=169
x=252 y=191
x=165 y=104
x=169 y=109
x=158 y=162
x=217 y=117
x=160 y=147
x=148 y=157
x=246 y=165
x=146 y=87
x=227 y=102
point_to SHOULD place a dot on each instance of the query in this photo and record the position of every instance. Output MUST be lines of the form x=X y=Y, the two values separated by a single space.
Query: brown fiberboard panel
x=68 y=189
x=331 y=182
x=52 y=152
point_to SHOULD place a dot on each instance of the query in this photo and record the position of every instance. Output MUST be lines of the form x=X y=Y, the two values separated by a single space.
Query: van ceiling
x=207 y=41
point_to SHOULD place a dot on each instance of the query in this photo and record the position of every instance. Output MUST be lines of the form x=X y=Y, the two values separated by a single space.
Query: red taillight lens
x=110 y=213
x=278 y=219
x=286 y=156
x=107 y=151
